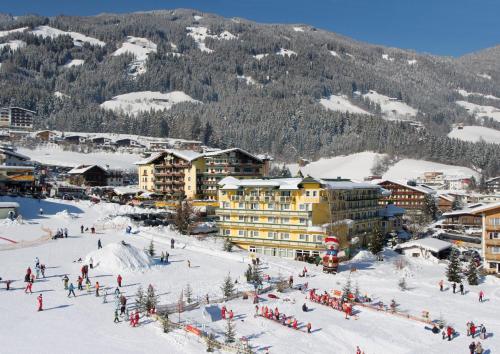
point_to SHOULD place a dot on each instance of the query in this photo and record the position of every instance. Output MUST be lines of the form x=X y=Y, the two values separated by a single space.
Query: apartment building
x=179 y=174
x=490 y=216
x=408 y=196
x=16 y=118
x=289 y=217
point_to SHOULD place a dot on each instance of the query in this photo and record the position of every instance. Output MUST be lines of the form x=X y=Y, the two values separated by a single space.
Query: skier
x=256 y=310
x=467 y=325
x=71 y=289
x=40 y=302
x=449 y=332
x=481 y=296
x=295 y=324
x=309 y=327
x=92 y=230
x=479 y=348
x=66 y=232
x=454 y=286
x=461 y=287
x=99 y=244
x=37 y=270
x=472 y=348
x=29 y=286
x=65 y=282
x=87 y=285
x=91 y=263
x=81 y=229
x=131 y=318
x=42 y=269
x=172 y=243
x=223 y=312
x=304 y=307
x=441 y=285
x=41 y=211
x=231 y=314
x=290 y=281
x=189 y=263
x=136 y=318
x=80 y=282
x=482 y=332
x=166 y=257
x=472 y=330
x=116 y=317
x=105 y=297
x=162 y=257
x=123 y=301
x=117 y=292
x=37 y=262
x=119 y=280
x=358 y=351
x=97 y=288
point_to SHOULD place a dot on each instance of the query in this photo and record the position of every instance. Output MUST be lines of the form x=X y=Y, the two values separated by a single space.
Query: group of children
x=336 y=303
x=275 y=315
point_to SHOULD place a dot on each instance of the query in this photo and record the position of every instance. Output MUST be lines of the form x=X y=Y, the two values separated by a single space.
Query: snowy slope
x=78 y=323
x=409 y=169
x=392 y=109
x=6 y=33
x=260 y=56
x=140 y=48
x=341 y=103
x=78 y=38
x=13 y=44
x=74 y=62
x=475 y=133
x=199 y=34
x=248 y=79
x=286 y=52
x=354 y=166
x=136 y=102
x=465 y=93
x=481 y=111
x=56 y=156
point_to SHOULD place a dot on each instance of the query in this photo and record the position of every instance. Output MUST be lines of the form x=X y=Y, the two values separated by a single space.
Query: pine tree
x=151 y=249
x=256 y=275
x=228 y=245
x=430 y=207
x=356 y=291
x=210 y=342
x=139 y=299
x=248 y=274
x=453 y=272
x=230 y=333
x=376 y=244
x=166 y=323
x=227 y=287
x=346 y=291
x=151 y=299
x=189 y=293
x=472 y=276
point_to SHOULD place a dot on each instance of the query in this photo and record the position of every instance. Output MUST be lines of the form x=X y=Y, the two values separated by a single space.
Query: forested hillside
x=246 y=84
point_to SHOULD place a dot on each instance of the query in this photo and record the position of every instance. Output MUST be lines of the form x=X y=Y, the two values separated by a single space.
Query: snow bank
x=392 y=109
x=140 y=48
x=14 y=44
x=199 y=34
x=481 y=111
x=364 y=256
x=410 y=168
x=298 y=29
x=135 y=102
x=387 y=57
x=260 y=56
x=465 y=93
x=117 y=258
x=78 y=38
x=475 y=133
x=286 y=52
x=66 y=215
x=6 y=33
x=412 y=61
x=74 y=62
x=248 y=79
x=341 y=103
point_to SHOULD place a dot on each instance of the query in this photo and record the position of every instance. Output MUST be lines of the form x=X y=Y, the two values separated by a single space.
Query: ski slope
x=15 y=30
x=136 y=102
x=14 y=44
x=80 y=322
x=410 y=169
x=341 y=103
x=78 y=38
x=392 y=109
x=140 y=48
x=480 y=111
x=476 y=133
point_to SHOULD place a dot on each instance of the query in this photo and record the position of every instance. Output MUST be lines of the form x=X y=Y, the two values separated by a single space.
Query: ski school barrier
x=395 y=313
x=23 y=244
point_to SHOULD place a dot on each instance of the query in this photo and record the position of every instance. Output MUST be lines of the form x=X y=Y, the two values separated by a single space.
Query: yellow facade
x=146 y=177
x=491 y=238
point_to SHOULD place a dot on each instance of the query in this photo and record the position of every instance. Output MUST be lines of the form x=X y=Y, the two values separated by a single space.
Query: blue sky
x=445 y=27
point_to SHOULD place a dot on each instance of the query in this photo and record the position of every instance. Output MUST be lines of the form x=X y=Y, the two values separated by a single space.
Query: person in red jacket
x=119 y=280
x=223 y=312
x=309 y=327
x=449 y=332
x=29 y=285
x=136 y=318
x=472 y=330
x=231 y=314
x=295 y=324
x=40 y=302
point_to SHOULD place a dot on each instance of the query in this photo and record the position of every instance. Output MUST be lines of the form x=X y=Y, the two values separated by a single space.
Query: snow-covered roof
x=429 y=243
x=218 y=152
x=280 y=183
x=83 y=168
x=486 y=207
x=149 y=159
x=9 y=205
x=188 y=155
x=419 y=188
x=127 y=190
x=333 y=184
x=391 y=210
x=16 y=168
x=13 y=153
x=447 y=197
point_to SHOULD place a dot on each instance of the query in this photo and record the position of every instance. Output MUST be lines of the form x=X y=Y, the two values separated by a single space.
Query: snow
x=65 y=320
x=119 y=258
x=248 y=79
x=429 y=243
x=197 y=17
x=54 y=155
x=481 y=111
x=298 y=29
x=354 y=166
x=484 y=76
x=260 y=56
x=412 y=61
x=286 y=52
x=16 y=30
x=392 y=109
x=61 y=95
x=409 y=169
x=199 y=34
x=14 y=44
x=74 y=62
x=465 y=93
x=387 y=57
x=341 y=103
x=140 y=48
x=334 y=53
x=476 y=133
x=78 y=38
x=364 y=256
x=135 y=102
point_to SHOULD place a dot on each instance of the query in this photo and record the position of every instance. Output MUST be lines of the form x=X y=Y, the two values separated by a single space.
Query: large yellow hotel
x=289 y=217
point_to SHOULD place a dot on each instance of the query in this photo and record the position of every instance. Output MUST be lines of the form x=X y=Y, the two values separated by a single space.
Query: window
x=285 y=206
x=272 y=234
x=285 y=220
x=226 y=205
x=241 y=233
x=241 y=205
x=271 y=220
x=254 y=206
x=302 y=220
x=308 y=194
x=270 y=206
x=285 y=194
x=302 y=207
x=315 y=193
x=255 y=219
x=303 y=237
x=319 y=238
x=227 y=232
x=285 y=236
x=241 y=218
x=255 y=233
x=495 y=250
x=227 y=218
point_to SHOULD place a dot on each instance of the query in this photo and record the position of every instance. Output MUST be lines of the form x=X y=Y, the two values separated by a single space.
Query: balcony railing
x=278 y=213
x=492 y=256
x=492 y=227
x=276 y=242
x=261 y=225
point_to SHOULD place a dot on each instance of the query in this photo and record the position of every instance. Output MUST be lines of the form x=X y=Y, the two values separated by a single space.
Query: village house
x=425 y=248
x=408 y=196
x=74 y=139
x=493 y=184
x=45 y=136
x=128 y=143
x=9 y=157
x=88 y=175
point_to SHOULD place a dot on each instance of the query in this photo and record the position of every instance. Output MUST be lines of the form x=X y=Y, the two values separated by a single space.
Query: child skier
x=71 y=289
x=116 y=317
x=40 y=302
x=119 y=280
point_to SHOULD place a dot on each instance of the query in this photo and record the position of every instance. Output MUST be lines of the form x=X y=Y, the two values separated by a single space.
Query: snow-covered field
x=6 y=33
x=74 y=62
x=465 y=93
x=14 y=44
x=392 y=109
x=475 y=133
x=84 y=323
x=481 y=111
x=78 y=38
x=286 y=52
x=199 y=34
x=341 y=103
x=140 y=48
x=59 y=157
x=137 y=102
x=357 y=166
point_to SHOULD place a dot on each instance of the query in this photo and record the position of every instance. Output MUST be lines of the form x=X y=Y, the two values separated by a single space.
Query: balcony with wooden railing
x=492 y=256
x=492 y=227
x=277 y=243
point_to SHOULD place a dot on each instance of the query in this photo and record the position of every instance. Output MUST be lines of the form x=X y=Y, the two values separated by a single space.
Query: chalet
x=128 y=143
x=46 y=136
x=493 y=184
x=74 y=139
x=88 y=175
x=159 y=145
x=462 y=219
x=102 y=141
x=194 y=145
x=425 y=248
x=408 y=196
x=445 y=202
x=391 y=218
x=114 y=178
x=458 y=183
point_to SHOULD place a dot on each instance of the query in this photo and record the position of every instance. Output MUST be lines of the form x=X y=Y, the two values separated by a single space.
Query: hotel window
x=494 y=235
x=308 y=194
x=303 y=237
x=285 y=220
x=285 y=206
x=254 y=206
x=302 y=207
x=255 y=233
x=315 y=193
x=272 y=234
x=241 y=218
x=270 y=206
x=319 y=238
x=226 y=205
x=271 y=220
x=241 y=233
x=255 y=219
x=227 y=232
x=302 y=220
x=495 y=250
x=285 y=236
x=241 y=205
